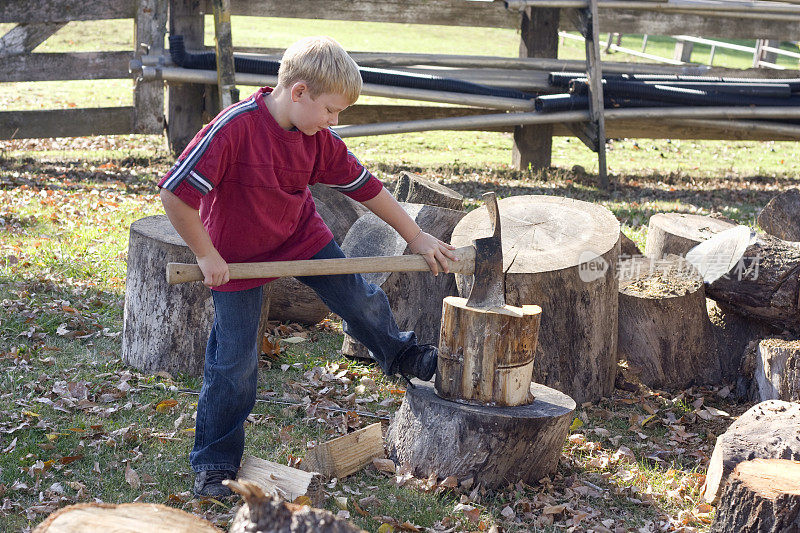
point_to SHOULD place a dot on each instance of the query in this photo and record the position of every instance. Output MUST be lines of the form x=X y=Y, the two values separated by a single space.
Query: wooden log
x=779 y=217
x=346 y=455
x=677 y=233
x=287 y=482
x=777 y=372
x=560 y=254
x=338 y=211
x=762 y=497
x=664 y=331
x=492 y=446
x=123 y=518
x=414 y=189
x=23 y=38
x=165 y=327
x=264 y=513
x=415 y=297
x=486 y=356
x=768 y=430
x=627 y=248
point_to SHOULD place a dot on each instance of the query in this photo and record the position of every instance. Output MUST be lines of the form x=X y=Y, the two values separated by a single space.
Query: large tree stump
x=417 y=190
x=780 y=218
x=123 y=518
x=677 y=233
x=763 y=496
x=664 y=330
x=165 y=326
x=492 y=446
x=769 y=430
x=415 y=297
x=264 y=513
x=560 y=254
x=487 y=355
x=777 y=372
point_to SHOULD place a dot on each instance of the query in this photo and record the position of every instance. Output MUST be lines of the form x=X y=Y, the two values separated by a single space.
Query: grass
x=77 y=424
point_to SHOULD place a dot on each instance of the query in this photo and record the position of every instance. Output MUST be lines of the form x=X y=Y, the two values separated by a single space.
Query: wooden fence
x=188 y=105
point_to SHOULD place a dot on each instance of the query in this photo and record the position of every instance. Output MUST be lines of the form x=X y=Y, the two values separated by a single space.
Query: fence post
x=148 y=96
x=539 y=38
x=683 y=51
x=186 y=100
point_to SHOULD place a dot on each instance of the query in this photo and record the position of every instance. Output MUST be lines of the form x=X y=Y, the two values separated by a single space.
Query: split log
x=291 y=300
x=779 y=217
x=664 y=331
x=165 y=327
x=492 y=446
x=415 y=297
x=768 y=430
x=677 y=233
x=777 y=372
x=123 y=518
x=763 y=496
x=486 y=356
x=732 y=333
x=347 y=454
x=267 y=514
x=414 y=189
x=287 y=482
x=560 y=254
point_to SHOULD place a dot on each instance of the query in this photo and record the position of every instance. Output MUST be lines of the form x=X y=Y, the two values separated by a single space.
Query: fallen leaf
x=132 y=477
x=384 y=465
x=554 y=509
x=165 y=406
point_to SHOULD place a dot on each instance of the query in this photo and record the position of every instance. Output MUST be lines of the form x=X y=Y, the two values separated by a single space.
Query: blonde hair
x=324 y=65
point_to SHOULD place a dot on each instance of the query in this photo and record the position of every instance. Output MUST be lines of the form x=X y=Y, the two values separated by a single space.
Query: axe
x=484 y=260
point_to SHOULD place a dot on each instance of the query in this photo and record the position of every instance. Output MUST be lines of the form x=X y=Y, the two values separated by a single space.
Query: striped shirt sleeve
x=207 y=151
x=339 y=169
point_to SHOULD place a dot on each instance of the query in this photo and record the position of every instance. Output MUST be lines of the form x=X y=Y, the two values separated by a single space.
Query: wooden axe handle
x=183 y=272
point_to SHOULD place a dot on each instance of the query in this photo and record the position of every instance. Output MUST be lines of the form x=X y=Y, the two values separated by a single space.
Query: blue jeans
x=231 y=367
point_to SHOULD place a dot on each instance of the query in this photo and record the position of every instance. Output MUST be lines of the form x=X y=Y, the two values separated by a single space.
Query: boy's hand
x=215 y=270
x=434 y=251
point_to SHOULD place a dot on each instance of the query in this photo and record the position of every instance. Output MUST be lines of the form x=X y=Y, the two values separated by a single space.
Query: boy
x=239 y=193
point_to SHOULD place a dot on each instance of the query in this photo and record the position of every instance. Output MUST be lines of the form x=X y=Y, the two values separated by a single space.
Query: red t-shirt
x=249 y=178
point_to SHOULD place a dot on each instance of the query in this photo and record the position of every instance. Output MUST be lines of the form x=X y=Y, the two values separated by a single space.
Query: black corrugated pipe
x=208 y=61
x=562 y=79
x=680 y=96
x=767 y=90
x=575 y=102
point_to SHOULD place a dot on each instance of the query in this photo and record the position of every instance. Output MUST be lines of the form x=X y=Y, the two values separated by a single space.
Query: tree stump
x=165 y=326
x=492 y=446
x=560 y=254
x=777 y=372
x=768 y=430
x=763 y=496
x=264 y=513
x=415 y=297
x=486 y=356
x=338 y=211
x=123 y=518
x=414 y=189
x=664 y=330
x=677 y=233
x=779 y=217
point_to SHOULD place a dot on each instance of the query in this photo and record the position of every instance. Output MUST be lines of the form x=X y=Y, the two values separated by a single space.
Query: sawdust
x=665 y=278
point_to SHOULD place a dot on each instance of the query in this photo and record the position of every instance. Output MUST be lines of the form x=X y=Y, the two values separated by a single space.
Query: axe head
x=488 y=286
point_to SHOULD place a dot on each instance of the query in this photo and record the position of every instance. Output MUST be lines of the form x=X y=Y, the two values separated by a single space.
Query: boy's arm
x=186 y=221
x=432 y=249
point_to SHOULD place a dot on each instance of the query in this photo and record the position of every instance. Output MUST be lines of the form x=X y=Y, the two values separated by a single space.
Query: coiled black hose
x=208 y=61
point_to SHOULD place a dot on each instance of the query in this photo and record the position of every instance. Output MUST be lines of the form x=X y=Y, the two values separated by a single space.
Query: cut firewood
x=123 y=518
x=414 y=189
x=560 y=254
x=677 y=233
x=345 y=455
x=264 y=513
x=487 y=445
x=487 y=356
x=781 y=216
x=762 y=496
x=338 y=211
x=777 y=372
x=415 y=297
x=768 y=430
x=664 y=331
x=285 y=481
